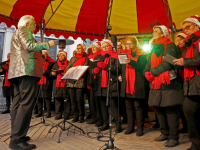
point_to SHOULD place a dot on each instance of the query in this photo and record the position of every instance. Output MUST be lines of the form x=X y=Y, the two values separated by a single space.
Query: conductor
x=26 y=68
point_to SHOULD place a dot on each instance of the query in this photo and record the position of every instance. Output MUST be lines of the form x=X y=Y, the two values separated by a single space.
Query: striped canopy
x=88 y=18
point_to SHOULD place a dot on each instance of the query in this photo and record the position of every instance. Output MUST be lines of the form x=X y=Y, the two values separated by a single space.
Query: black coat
x=98 y=90
x=47 y=89
x=140 y=80
x=58 y=92
x=7 y=91
x=192 y=87
x=167 y=95
x=90 y=75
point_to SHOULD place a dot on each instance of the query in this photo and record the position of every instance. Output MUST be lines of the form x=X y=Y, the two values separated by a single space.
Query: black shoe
x=129 y=130
x=88 y=117
x=155 y=126
x=58 y=117
x=6 y=111
x=139 y=132
x=48 y=115
x=171 y=143
x=67 y=118
x=22 y=146
x=75 y=120
x=27 y=138
x=162 y=137
x=98 y=124
x=81 y=121
x=118 y=129
x=38 y=115
x=104 y=127
x=124 y=121
x=91 y=121
x=183 y=130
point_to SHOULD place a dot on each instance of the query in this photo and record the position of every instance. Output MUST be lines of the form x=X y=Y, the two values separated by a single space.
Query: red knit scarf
x=130 y=71
x=92 y=56
x=43 y=80
x=6 y=66
x=163 y=78
x=189 y=71
x=80 y=61
x=62 y=66
x=104 y=73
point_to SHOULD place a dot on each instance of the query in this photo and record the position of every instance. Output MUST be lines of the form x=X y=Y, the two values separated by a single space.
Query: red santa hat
x=107 y=41
x=62 y=52
x=182 y=34
x=164 y=29
x=194 y=19
x=97 y=44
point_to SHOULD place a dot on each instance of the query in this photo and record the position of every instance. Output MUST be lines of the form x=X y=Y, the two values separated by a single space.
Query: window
x=1 y=44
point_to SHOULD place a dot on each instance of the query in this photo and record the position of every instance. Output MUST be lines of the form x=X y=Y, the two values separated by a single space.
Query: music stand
x=69 y=76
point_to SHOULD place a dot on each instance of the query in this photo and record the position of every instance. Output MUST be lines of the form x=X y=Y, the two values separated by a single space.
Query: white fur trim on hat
x=63 y=52
x=46 y=51
x=97 y=44
x=107 y=41
x=164 y=30
x=193 y=19
x=182 y=34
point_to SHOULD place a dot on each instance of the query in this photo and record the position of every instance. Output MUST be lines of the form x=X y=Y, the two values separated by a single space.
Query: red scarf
x=62 y=66
x=104 y=73
x=130 y=71
x=43 y=80
x=189 y=71
x=80 y=61
x=6 y=66
x=163 y=78
x=92 y=56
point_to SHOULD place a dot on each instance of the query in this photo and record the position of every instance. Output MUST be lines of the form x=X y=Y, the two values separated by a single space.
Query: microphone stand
x=110 y=144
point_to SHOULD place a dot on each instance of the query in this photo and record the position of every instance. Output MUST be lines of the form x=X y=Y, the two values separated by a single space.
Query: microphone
x=150 y=24
x=114 y=41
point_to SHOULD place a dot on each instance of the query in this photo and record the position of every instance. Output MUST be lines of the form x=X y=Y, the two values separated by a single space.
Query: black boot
x=171 y=143
x=104 y=127
x=129 y=130
x=6 y=111
x=118 y=128
x=139 y=132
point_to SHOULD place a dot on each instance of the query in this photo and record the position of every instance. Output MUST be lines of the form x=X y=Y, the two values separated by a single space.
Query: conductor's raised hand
x=52 y=43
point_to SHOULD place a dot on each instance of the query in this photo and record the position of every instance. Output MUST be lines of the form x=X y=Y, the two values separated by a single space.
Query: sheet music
x=75 y=73
x=121 y=58
x=169 y=59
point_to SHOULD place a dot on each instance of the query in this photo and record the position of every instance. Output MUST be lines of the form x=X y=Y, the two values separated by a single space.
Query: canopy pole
x=42 y=23
x=108 y=26
x=168 y=17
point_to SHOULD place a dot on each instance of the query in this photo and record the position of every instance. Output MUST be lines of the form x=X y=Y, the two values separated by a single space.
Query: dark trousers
x=134 y=108
x=114 y=110
x=168 y=119
x=59 y=106
x=93 y=109
x=8 y=101
x=122 y=108
x=77 y=99
x=22 y=107
x=184 y=122
x=98 y=109
x=47 y=101
x=191 y=109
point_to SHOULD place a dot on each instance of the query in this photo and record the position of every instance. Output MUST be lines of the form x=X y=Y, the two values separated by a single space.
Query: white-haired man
x=26 y=68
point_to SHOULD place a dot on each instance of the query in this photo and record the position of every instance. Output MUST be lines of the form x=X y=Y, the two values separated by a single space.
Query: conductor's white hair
x=24 y=20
